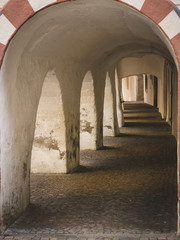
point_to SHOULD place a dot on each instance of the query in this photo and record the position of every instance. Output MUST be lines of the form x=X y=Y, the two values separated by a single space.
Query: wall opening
x=49 y=151
x=132 y=88
x=87 y=114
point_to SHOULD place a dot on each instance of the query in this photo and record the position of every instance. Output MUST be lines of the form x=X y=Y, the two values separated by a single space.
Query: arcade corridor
x=127 y=189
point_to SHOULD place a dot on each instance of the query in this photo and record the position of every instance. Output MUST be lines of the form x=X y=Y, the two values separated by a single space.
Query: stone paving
x=125 y=191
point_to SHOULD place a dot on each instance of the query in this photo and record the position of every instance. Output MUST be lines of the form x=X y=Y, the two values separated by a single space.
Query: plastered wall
x=49 y=146
x=71 y=46
x=88 y=117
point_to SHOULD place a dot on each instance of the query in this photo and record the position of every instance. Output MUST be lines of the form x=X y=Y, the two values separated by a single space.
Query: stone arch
x=163 y=17
x=19 y=61
x=156 y=66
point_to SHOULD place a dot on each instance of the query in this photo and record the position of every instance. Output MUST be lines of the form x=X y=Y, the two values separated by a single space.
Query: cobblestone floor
x=125 y=191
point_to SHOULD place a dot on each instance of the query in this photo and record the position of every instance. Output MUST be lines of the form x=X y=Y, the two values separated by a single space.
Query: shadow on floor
x=130 y=185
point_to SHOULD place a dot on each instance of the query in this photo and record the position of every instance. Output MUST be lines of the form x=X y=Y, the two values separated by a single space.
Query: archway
x=88 y=127
x=49 y=148
x=152 y=67
x=57 y=42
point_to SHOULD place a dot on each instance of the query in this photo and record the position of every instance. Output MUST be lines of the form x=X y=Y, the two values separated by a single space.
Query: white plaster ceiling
x=90 y=31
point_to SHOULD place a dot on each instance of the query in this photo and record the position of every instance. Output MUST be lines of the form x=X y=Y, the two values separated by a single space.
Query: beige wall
x=49 y=147
x=88 y=123
x=110 y=119
x=119 y=100
x=130 y=88
x=149 y=89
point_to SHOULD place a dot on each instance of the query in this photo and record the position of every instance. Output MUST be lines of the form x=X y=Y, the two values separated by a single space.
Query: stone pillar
x=119 y=99
x=108 y=127
x=169 y=94
x=112 y=74
x=49 y=150
x=140 y=90
x=164 y=89
x=174 y=102
x=178 y=150
x=110 y=122
x=149 y=89
x=99 y=76
x=20 y=92
x=88 y=118
x=70 y=78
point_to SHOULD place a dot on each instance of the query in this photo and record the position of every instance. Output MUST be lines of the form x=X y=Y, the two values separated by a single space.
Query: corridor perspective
x=126 y=189
x=89 y=119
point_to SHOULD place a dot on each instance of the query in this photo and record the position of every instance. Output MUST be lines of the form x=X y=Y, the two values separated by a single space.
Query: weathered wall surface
x=70 y=83
x=49 y=147
x=175 y=102
x=149 y=89
x=130 y=88
x=149 y=64
x=99 y=76
x=170 y=96
x=140 y=93
x=88 y=117
x=110 y=122
x=18 y=132
x=119 y=100
x=70 y=45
